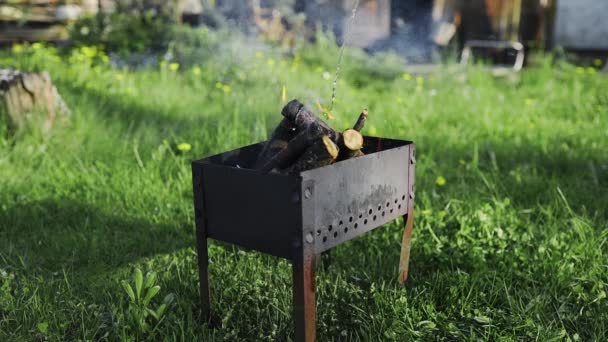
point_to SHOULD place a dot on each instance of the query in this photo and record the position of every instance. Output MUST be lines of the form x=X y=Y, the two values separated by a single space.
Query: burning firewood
x=350 y=144
x=323 y=152
x=279 y=140
x=294 y=149
x=302 y=141
x=303 y=118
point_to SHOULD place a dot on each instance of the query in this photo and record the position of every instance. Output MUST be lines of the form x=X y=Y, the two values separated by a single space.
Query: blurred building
x=415 y=27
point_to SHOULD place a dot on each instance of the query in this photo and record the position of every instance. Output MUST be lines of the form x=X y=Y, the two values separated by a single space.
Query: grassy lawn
x=511 y=231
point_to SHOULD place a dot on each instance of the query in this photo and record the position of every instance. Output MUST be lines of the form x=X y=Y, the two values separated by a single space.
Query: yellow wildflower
x=442 y=213
x=419 y=80
x=37 y=46
x=271 y=61
x=119 y=77
x=184 y=147
x=597 y=62
x=173 y=66
x=407 y=76
x=427 y=212
x=196 y=70
x=259 y=54
x=226 y=88
x=440 y=181
x=17 y=48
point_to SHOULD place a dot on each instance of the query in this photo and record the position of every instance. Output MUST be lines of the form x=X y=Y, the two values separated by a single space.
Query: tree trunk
x=23 y=94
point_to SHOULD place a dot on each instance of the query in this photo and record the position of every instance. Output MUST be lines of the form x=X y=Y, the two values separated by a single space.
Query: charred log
x=323 y=152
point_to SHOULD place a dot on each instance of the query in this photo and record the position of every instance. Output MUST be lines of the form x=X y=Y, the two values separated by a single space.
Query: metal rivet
x=309 y=238
x=307 y=193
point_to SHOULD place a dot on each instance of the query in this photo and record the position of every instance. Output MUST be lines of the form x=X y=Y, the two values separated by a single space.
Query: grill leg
x=203 y=271
x=406 y=244
x=304 y=297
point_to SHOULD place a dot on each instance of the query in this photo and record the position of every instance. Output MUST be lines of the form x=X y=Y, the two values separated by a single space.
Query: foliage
x=135 y=26
x=140 y=313
x=511 y=231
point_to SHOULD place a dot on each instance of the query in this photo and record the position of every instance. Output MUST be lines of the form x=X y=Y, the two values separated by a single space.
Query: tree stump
x=25 y=96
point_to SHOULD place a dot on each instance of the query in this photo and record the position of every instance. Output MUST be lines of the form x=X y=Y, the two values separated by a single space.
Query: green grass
x=513 y=247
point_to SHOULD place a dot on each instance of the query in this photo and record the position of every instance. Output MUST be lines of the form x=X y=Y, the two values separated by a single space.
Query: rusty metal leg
x=406 y=244
x=203 y=271
x=304 y=297
x=201 y=243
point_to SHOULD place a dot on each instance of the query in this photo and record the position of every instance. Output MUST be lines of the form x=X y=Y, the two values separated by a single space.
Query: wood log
x=361 y=121
x=323 y=152
x=302 y=118
x=24 y=94
x=278 y=141
x=295 y=148
x=350 y=144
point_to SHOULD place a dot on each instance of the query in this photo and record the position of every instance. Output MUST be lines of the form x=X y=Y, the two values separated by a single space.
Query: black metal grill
x=300 y=216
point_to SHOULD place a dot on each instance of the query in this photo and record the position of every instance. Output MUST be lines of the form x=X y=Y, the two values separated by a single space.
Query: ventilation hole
x=330 y=227
x=387 y=204
x=356 y=225
x=360 y=215
x=379 y=207
x=340 y=223
x=318 y=232
x=346 y=230
x=391 y=211
x=335 y=235
x=370 y=211
x=403 y=197
x=374 y=217
x=383 y=213
x=350 y=219
x=325 y=239
x=365 y=222
x=395 y=201
x=399 y=207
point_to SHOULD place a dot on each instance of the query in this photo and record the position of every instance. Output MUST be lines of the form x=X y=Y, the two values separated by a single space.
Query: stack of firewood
x=302 y=141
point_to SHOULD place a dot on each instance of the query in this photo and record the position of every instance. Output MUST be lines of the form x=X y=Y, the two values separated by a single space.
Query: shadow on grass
x=56 y=234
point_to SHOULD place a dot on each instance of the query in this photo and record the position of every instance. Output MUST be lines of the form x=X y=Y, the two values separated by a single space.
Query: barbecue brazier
x=297 y=217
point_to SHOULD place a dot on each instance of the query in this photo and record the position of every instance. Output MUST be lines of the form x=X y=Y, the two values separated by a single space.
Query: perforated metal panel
x=356 y=196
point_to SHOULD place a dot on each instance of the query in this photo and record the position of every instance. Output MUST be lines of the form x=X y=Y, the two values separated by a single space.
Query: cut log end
x=353 y=140
x=330 y=147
